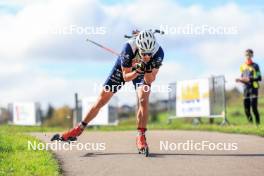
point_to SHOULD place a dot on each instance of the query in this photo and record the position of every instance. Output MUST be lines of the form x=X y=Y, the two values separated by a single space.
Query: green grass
x=17 y=159
x=183 y=124
x=25 y=129
x=235 y=114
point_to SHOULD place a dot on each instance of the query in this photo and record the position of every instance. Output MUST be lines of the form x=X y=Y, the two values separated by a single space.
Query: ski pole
x=103 y=47
x=134 y=34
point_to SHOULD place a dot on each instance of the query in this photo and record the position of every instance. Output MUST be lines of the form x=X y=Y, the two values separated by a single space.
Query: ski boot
x=70 y=135
x=142 y=143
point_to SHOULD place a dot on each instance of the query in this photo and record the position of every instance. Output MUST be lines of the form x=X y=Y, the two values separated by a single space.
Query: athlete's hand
x=154 y=64
x=243 y=80
x=139 y=68
x=238 y=80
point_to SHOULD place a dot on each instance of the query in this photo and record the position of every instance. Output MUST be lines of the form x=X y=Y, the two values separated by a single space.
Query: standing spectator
x=250 y=78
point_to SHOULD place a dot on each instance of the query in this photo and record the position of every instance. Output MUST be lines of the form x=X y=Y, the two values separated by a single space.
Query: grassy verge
x=17 y=159
x=236 y=118
x=183 y=124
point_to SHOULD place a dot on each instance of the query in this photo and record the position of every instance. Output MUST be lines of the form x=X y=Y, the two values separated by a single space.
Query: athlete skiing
x=138 y=62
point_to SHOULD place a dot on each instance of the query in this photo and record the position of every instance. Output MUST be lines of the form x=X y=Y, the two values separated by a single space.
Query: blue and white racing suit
x=130 y=53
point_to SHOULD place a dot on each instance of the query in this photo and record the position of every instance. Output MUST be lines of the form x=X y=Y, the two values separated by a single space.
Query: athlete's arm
x=258 y=74
x=128 y=74
x=126 y=64
x=243 y=80
x=152 y=68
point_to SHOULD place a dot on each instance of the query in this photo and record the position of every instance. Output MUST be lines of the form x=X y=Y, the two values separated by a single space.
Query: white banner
x=24 y=114
x=192 y=98
x=102 y=117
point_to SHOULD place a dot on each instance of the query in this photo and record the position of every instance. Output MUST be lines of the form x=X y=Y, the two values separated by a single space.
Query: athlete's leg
x=143 y=93
x=254 y=104
x=247 y=109
x=103 y=98
x=113 y=83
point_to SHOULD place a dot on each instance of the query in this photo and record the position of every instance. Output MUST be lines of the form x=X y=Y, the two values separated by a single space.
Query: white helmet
x=146 y=41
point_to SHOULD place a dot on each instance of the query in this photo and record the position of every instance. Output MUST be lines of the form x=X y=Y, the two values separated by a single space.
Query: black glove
x=148 y=68
x=139 y=68
x=157 y=63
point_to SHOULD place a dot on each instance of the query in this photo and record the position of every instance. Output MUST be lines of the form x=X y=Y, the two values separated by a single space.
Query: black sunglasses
x=146 y=54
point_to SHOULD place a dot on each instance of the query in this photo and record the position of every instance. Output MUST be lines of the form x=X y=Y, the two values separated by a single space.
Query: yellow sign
x=190 y=92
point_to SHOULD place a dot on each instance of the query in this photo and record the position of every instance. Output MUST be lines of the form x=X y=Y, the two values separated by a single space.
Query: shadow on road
x=105 y=154
x=197 y=154
x=160 y=155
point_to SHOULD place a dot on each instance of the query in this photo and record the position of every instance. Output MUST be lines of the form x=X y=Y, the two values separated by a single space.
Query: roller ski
x=71 y=135
x=142 y=145
x=58 y=137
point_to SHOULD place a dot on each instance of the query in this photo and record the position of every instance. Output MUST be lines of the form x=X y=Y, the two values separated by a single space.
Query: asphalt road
x=114 y=154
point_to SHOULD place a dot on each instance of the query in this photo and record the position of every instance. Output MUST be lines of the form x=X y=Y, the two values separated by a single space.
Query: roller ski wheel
x=71 y=135
x=142 y=145
x=144 y=151
x=57 y=137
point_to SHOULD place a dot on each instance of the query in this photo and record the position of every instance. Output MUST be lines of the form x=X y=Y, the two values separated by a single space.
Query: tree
x=49 y=112
x=60 y=117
